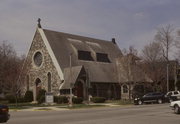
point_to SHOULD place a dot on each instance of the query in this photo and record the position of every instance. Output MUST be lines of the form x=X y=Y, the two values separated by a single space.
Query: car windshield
x=175 y=92
x=169 y=94
x=149 y=94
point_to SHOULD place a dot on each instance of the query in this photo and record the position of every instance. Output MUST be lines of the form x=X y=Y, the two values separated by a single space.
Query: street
x=144 y=114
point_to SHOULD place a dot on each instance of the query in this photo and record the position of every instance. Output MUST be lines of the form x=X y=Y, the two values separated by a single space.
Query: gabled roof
x=63 y=44
x=70 y=76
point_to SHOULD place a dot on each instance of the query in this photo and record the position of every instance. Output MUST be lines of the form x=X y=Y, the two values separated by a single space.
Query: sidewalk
x=46 y=108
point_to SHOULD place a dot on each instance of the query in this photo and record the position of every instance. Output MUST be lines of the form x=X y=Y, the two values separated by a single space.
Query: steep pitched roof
x=70 y=76
x=63 y=44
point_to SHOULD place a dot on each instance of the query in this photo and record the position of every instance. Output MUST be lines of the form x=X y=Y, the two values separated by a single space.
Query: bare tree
x=153 y=64
x=177 y=44
x=9 y=69
x=131 y=50
x=165 y=37
x=152 y=52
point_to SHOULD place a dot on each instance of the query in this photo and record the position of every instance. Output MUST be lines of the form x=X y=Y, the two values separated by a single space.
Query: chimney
x=113 y=40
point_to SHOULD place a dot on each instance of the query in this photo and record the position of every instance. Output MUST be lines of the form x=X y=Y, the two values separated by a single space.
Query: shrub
x=10 y=98
x=41 y=99
x=28 y=97
x=41 y=94
x=20 y=100
x=98 y=99
x=60 y=99
x=77 y=100
x=2 y=99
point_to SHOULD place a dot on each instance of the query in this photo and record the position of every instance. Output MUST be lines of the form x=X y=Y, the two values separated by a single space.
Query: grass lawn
x=120 y=102
x=20 y=106
x=77 y=106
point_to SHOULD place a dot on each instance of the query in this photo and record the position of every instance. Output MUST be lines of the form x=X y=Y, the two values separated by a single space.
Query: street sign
x=49 y=98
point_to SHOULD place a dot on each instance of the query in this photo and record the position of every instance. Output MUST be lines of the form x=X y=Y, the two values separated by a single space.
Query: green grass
x=79 y=106
x=43 y=109
x=120 y=102
x=20 y=106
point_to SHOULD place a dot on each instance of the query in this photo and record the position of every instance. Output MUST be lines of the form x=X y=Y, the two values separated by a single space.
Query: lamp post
x=71 y=85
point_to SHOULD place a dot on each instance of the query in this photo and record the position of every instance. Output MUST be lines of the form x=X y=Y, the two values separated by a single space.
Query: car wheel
x=176 y=109
x=140 y=102
x=159 y=101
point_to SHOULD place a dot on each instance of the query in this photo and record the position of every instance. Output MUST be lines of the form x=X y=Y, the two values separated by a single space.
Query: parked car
x=4 y=113
x=172 y=96
x=150 y=98
x=175 y=105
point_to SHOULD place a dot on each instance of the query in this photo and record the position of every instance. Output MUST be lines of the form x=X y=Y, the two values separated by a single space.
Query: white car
x=175 y=106
x=172 y=96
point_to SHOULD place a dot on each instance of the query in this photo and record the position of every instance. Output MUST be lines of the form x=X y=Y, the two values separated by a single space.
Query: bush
x=60 y=99
x=28 y=97
x=20 y=100
x=98 y=99
x=77 y=100
x=41 y=99
x=10 y=98
x=2 y=99
x=41 y=94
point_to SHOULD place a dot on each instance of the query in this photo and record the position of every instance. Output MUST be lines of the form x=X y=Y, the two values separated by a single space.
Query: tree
x=9 y=69
x=131 y=50
x=177 y=44
x=152 y=52
x=166 y=38
x=152 y=57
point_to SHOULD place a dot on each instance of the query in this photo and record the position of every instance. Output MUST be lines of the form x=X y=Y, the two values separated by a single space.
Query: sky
x=131 y=22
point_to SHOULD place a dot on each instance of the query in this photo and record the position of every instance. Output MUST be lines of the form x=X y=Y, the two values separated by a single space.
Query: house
x=58 y=62
x=131 y=77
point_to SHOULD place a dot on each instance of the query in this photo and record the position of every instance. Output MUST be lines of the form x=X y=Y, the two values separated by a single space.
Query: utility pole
x=71 y=85
x=167 y=76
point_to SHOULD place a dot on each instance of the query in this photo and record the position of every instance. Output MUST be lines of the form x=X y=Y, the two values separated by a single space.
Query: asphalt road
x=144 y=114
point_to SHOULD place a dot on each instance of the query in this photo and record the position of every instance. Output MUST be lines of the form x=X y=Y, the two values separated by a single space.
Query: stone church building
x=59 y=61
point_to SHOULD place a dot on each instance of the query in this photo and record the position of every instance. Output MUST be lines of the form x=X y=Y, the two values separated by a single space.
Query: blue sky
x=131 y=22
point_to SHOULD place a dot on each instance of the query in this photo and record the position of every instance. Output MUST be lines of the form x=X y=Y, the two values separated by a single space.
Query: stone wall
x=41 y=72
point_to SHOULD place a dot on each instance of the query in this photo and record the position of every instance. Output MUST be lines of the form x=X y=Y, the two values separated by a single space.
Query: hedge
x=28 y=97
x=41 y=100
x=41 y=96
x=10 y=98
x=60 y=99
x=98 y=99
x=77 y=100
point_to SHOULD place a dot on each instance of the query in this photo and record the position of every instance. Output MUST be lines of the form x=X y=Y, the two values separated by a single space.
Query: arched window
x=125 y=89
x=49 y=81
x=27 y=82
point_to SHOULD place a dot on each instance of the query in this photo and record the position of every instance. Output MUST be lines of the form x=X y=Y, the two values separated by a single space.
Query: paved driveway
x=145 y=114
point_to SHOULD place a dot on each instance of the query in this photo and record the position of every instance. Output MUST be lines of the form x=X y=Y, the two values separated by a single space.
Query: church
x=58 y=62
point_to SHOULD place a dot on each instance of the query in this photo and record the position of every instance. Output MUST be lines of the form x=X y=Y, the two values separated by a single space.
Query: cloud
x=128 y=21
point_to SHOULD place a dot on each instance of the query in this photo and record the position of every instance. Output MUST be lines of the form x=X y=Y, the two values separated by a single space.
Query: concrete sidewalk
x=46 y=108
